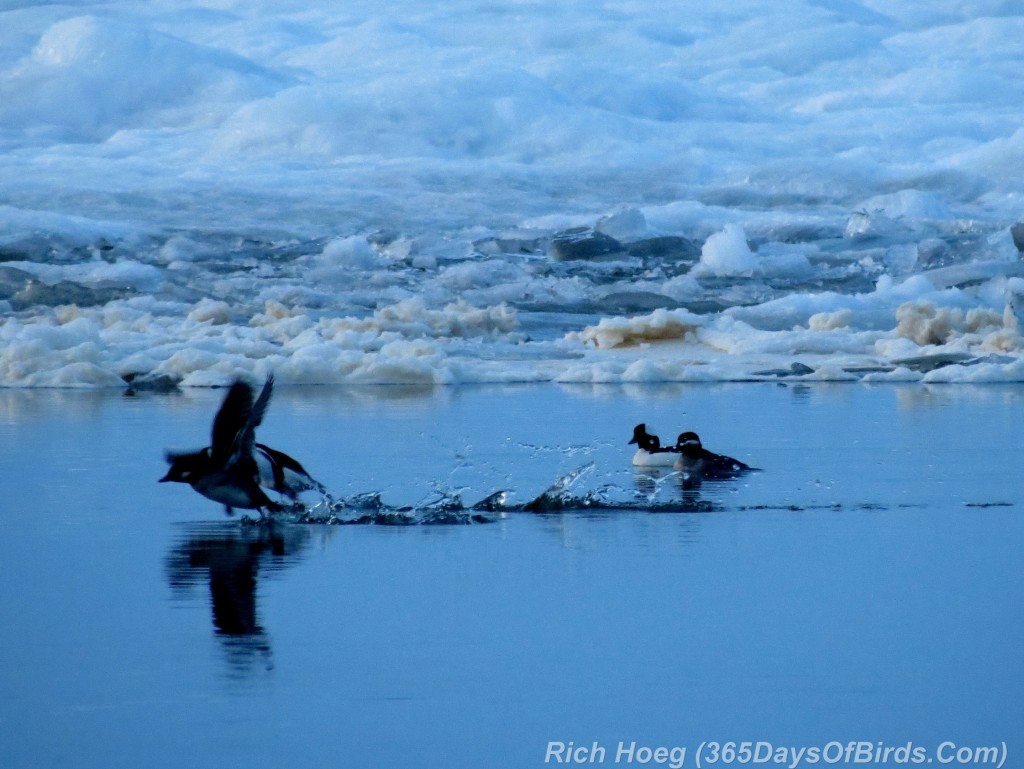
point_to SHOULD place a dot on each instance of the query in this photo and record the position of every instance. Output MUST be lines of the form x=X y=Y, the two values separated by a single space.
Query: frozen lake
x=866 y=586
x=481 y=193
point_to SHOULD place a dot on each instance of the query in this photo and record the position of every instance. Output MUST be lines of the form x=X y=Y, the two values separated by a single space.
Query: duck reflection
x=230 y=559
x=682 y=492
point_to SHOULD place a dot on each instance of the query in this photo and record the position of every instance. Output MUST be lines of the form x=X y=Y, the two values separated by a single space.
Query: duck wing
x=234 y=413
x=722 y=466
x=245 y=436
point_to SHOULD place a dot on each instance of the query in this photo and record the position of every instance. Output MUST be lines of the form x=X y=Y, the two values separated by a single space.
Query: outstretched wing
x=245 y=437
x=232 y=417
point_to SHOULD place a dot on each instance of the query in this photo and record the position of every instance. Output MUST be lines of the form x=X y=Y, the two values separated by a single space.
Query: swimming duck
x=697 y=462
x=649 y=452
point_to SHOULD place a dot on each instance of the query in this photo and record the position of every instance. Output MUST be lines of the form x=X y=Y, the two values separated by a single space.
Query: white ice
x=361 y=193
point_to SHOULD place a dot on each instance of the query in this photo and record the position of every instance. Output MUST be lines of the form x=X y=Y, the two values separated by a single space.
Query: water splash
x=369 y=509
x=444 y=505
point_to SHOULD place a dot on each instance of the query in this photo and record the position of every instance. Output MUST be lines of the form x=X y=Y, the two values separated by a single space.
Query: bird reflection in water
x=675 y=490
x=230 y=559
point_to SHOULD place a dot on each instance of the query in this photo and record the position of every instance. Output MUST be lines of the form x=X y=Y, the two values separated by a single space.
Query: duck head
x=645 y=440
x=186 y=468
x=688 y=442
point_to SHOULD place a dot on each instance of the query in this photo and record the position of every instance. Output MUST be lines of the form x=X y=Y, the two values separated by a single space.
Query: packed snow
x=511 y=191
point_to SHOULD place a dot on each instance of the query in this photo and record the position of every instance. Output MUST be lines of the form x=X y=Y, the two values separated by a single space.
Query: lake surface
x=865 y=586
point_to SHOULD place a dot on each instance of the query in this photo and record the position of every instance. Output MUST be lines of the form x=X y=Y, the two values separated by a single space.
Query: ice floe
x=474 y=193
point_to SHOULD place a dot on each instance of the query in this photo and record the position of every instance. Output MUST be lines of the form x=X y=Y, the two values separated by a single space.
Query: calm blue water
x=865 y=586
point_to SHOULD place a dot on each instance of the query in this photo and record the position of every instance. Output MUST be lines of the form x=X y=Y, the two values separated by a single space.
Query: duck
x=235 y=469
x=649 y=452
x=698 y=463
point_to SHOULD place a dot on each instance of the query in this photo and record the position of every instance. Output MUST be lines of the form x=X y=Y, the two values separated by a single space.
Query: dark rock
x=35 y=293
x=33 y=248
x=159 y=383
x=584 y=243
x=1017 y=231
x=636 y=301
x=861 y=370
x=13 y=280
x=708 y=306
x=509 y=244
x=671 y=247
x=933 y=253
x=795 y=369
x=382 y=238
x=926 y=363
